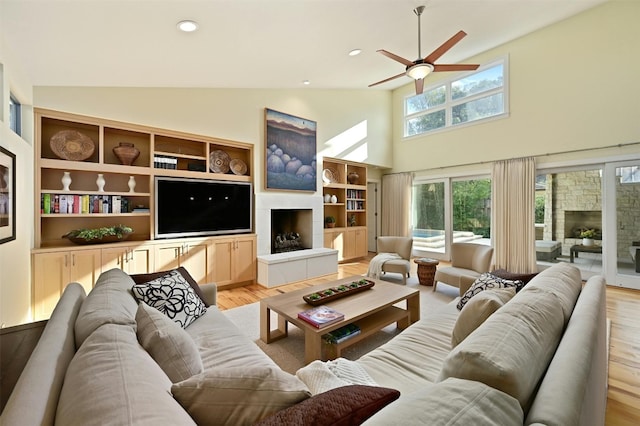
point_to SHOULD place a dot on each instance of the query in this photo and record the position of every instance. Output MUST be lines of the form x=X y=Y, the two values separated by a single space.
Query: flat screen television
x=195 y=207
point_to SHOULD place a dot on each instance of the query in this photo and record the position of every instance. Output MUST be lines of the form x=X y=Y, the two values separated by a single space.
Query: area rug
x=288 y=353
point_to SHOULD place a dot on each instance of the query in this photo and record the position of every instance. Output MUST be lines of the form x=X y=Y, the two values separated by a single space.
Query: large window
x=476 y=96
x=456 y=209
x=15 y=114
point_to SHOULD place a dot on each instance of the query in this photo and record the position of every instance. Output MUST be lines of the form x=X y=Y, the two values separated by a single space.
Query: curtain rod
x=620 y=145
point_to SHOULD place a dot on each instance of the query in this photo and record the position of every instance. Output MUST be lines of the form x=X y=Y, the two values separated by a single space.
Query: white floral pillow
x=486 y=281
x=172 y=295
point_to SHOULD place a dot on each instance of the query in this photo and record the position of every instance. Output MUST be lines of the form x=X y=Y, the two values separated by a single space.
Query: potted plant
x=329 y=222
x=587 y=236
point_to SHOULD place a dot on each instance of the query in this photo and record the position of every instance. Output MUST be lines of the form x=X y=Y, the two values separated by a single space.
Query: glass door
x=624 y=249
x=429 y=219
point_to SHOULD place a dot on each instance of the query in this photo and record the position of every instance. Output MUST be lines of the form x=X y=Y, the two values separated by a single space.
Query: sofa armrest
x=210 y=291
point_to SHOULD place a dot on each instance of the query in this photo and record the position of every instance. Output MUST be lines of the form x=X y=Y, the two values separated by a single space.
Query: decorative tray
x=337 y=292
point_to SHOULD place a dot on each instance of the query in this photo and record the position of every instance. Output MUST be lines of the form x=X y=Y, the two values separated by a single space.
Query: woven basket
x=219 y=161
x=238 y=167
x=72 y=145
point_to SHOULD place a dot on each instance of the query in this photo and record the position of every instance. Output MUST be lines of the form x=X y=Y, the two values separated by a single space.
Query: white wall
x=15 y=260
x=573 y=85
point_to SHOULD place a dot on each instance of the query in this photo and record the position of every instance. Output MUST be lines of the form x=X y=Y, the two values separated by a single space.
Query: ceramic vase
x=126 y=152
x=588 y=242
x=327 y=198
x=100 y=182
x=132 y=184
x=334 y=199
x=66 y=181
x=353 y=177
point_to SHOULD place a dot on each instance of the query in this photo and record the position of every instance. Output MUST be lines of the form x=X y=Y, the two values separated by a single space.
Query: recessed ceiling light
x=306 y=82
x=355 y=52
x=187 y=26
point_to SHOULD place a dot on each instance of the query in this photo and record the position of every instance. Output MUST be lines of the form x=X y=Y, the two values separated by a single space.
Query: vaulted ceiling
x=253 y=43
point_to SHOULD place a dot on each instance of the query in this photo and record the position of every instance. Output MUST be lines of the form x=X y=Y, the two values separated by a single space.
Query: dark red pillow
x=143 y=278
x=344 y=406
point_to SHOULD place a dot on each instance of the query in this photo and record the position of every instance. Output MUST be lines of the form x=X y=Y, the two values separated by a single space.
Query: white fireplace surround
x=284 y=268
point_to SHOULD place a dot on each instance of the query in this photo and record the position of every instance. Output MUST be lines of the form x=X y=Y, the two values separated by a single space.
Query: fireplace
x=291 y=230
x=578 y=220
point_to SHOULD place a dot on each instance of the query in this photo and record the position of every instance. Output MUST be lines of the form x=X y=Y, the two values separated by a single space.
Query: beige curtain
x=396 y=204
x=512 y=215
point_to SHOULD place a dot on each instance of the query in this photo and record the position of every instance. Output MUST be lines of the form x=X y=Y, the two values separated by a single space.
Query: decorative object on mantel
x=100 y=182
x=109 y=234
x=338 y=292
x=132 y=184
x=66 y=181
x=238 y=167
x=126 y=152
x=353 y=177
x=72 y=145
x=219 y=161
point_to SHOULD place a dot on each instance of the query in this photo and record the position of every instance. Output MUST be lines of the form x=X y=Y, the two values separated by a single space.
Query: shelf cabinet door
x=53 y=271
x=193 y=256
x=234 y=260
x=130 y=259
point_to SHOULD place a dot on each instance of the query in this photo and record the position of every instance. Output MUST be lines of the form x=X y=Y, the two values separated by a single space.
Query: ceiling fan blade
x=396 y=58
x=387 y=79
x=419 y=86
x=444 y=47
x=455 y=67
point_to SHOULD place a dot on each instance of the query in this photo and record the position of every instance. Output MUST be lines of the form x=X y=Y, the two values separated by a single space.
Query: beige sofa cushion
x=112 y=380
x=452 y=402
x=168 y=344
x=477 y=310
x=512 y=349
x=110 y=302
x=238 y=396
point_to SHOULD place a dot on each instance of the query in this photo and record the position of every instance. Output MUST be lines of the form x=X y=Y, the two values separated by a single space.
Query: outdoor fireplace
x=291 y=230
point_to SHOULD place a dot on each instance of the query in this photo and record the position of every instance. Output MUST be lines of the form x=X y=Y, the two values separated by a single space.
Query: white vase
x=66 y=181
x=327 y=198
x=132 y=184
x=334 y=199
x=100 y=182
x=587 y=242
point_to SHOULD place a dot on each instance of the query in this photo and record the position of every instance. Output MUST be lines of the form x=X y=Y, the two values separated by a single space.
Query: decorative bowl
x=72 y=145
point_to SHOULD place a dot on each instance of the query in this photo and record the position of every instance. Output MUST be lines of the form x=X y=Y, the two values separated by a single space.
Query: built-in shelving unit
x=345 y=183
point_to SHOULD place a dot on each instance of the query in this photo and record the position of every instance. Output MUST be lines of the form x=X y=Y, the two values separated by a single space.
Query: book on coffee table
x=321 y=316
x=341 y=334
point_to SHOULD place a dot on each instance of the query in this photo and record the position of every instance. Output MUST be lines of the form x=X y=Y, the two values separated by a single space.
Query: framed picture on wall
x=290 y=157
x=7 y=196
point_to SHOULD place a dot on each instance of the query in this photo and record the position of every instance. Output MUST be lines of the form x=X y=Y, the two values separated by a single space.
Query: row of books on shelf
x=164 y=162
x=355 y=205
x=85 y=204
x=341 y=334
x=355 y=193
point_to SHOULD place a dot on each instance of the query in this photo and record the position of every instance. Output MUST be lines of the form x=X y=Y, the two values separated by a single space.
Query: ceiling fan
x=420 y=68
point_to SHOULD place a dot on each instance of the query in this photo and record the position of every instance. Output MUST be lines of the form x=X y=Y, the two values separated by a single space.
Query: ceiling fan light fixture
x=355 y=52
x=419 y=71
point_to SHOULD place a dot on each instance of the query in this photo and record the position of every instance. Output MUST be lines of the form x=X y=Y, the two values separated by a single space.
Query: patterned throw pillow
x=173 y=296
x=486 y=281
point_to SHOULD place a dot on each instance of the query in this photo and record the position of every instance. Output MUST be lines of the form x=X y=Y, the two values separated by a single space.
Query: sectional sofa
x=539 y=359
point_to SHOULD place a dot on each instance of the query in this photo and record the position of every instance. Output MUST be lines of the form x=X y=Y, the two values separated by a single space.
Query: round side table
x=426 y=270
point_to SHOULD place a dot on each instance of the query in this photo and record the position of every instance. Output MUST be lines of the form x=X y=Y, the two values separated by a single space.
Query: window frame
x=15 y=114
x=449 y=103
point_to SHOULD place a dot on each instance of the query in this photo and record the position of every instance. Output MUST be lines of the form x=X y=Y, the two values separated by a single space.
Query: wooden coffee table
x=371 y=310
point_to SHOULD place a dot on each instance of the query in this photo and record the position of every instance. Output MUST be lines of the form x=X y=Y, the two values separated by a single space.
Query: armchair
x=402 y=247
x=468 y=262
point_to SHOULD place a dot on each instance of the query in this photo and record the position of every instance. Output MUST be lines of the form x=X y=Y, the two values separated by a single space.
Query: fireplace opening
x=291 y=230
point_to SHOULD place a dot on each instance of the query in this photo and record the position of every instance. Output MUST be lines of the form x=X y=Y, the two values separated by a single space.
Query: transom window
x=479 y=95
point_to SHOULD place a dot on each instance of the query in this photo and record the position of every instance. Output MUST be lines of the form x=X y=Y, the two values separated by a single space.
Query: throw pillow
x=238 y=395
x=477 y=310
x=344 y=406
x=143 y=278
x=173 y=296
x=486 y=281
x=168 y=344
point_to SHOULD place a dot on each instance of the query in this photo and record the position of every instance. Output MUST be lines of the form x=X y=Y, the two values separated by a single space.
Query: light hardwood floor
x=623 y=309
